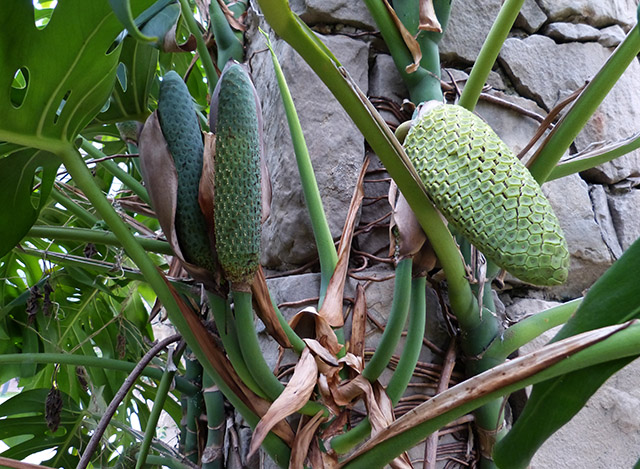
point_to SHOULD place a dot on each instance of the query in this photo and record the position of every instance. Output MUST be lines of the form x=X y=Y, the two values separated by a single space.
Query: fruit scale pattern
x=486 y=193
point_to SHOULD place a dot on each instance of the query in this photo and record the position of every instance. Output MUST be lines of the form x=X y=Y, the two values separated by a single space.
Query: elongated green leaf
x=26 y=179
x=612 y=300
x=122 y=9
x=68 y=67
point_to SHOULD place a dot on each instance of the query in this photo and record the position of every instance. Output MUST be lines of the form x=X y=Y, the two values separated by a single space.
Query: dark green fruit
x=487 y=194
x=181 y=130
x=237 y=200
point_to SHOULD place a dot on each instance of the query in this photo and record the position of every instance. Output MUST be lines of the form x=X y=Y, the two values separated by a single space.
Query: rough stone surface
x=595 y=12
x=624 y=210
x=514 y=128
x=385 y=81
x=335 y=145
x=566 y=32
x=531 y=17
x=333 y=11
x=604 y=220
x=467 y=29
x=590 y=256
x=611 y=36
x=537 y=65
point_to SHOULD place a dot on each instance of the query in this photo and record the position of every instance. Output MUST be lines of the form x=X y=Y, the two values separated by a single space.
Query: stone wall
x=555 y=47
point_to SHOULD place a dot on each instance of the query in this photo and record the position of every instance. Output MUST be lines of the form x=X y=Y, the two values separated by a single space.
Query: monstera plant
x=134 y=184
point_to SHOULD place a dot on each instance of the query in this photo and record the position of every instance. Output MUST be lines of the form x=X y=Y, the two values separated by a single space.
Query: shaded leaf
x=122 y=10
x=136 y=71
x=295 y=395
x=26 y=179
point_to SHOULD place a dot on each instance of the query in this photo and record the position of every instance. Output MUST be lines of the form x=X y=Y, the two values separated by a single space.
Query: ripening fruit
x=235 y=121
x=486 y=193
x=181 y=130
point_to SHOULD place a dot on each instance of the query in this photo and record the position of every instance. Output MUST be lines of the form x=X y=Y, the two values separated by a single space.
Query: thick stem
x=73 y=207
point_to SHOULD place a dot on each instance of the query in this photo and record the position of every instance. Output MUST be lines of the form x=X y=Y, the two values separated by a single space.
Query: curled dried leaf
x=295 y=395
x=303 y=440
x=407 y=37
x=428 y=19
x=308 y=323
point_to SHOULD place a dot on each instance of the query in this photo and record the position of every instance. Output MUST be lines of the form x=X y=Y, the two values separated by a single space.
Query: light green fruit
x=179 y=124
x=237 y=199
x=487 y=194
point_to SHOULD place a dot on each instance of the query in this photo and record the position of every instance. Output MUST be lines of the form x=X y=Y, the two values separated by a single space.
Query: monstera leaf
x=59 y=76
x=24 y=415
x=55 y=80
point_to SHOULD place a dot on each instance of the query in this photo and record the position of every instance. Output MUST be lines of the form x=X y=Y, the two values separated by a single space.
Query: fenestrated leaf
x=136 y=70
x=69 y=69
x=613 y=299
x=295 y=395
x=24 y=415
x=21 y=201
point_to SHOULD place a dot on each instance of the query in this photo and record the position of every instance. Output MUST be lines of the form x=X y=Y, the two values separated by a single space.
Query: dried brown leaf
x=265 y=310
x=428 y=19
x=496 y=378
x=295 y=395
x=161 y=178
x=331 y=308
x=170 y=43
x=235 y=24
x=303 y=440
x=321 y=353
x=407 y=37
x=358 y=323
x=219 y=361
x=309 y=324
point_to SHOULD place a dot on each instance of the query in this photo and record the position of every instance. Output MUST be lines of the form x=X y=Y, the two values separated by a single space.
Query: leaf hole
x=35 y=188
x=121 y=73
x=19 y=87
x=42 y=12
x=63 y=102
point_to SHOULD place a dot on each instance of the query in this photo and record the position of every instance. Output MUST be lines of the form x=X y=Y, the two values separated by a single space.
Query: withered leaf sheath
x=182 y=133
x=486 y=193
x=236 y=120
x=53 y=409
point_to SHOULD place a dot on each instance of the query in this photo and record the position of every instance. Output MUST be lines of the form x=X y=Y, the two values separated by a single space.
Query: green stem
x=587 y=162
x=575 y=119
x=203 y=52
x=73 y=207
x=81 y=175
x=404 y=371
x=321 y=232
x=111 y=166
x=531 y=327
x=223 y=319
x=181 y=384
x=158 y=403
x=165 y=461
x=625 y=343
x=95 y=236
x=252 y=353
x=384 y=144
x=489 y=53
x=422 y=84
x=213 y=456
x=195 y=406
x=395 y=323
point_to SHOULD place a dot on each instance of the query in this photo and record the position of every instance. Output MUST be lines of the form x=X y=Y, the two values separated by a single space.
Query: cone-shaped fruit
x=486 y=193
